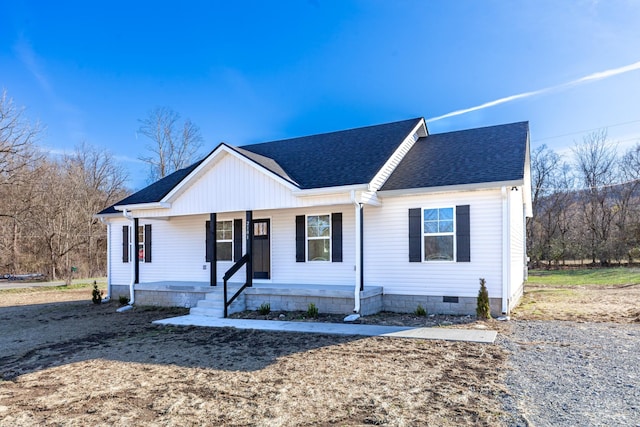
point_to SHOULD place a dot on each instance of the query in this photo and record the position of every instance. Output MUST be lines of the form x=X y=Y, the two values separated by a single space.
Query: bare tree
x=99 y=182
x=627 y=239
x=173 y=146
x=19 y=160
x=596 y=169
x=17 y=141
x=553 y=197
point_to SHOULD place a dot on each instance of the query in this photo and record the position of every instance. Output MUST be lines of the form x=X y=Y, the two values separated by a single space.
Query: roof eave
x=330 y=190
x=451 y=188
x=143 y=206
x=108 y=215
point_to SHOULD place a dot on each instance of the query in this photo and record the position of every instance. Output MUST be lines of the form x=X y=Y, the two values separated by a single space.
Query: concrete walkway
x=447 y=334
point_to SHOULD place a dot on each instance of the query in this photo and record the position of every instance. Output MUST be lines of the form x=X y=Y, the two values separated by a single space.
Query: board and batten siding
x=233 y=185
x=386 y=259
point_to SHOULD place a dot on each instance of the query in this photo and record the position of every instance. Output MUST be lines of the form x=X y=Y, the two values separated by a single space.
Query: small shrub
x=312 y=311
x=420 y=311
x=123 y=300
x=483 y=309
x=264 y=309
x=96 y=294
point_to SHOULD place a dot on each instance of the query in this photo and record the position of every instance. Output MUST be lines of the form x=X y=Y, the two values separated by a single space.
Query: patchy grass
x=586 y=295
x=42 y=287
x=585 y=276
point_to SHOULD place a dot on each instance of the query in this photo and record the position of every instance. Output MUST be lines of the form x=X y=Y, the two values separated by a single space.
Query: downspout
x=506 y=246
x=358 y=272
x=108 y=224
x=132 y=255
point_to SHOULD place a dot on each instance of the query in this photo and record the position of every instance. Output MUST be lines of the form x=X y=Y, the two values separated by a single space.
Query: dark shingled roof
x=354 y=156
x=154 y=192
x=489 y=154
x=338 y=158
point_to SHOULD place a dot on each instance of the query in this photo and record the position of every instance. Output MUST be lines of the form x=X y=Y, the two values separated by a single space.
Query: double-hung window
x=319 y=237
x=439 y=234
x=144 y=243
x=141 y=243
x=224 y=240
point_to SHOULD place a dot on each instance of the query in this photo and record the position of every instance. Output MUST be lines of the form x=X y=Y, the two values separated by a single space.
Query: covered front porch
x=204 y=299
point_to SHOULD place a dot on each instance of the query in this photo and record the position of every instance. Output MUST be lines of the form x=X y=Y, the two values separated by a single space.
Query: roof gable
x=335 y=159
x=481 y=155
x=154 y=192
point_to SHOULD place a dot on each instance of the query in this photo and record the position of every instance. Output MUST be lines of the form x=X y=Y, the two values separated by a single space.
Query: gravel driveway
x=573 y=374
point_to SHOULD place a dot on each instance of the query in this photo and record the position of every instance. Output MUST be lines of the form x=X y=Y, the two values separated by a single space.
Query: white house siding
x=516 y=224
x=285 y=269
x=120 y=272
x=386 y=258
x=178 y=249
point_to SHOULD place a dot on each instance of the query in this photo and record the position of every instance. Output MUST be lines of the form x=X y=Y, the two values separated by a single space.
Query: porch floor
x=208 y=300
x=335 y=291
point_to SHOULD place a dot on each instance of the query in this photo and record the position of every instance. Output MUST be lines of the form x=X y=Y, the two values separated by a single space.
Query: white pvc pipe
x=132 y=254
x=506 y=250
x=356 y=294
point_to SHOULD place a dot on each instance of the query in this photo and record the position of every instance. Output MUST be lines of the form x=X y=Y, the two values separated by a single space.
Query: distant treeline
x=47 y=203
x=586 y=207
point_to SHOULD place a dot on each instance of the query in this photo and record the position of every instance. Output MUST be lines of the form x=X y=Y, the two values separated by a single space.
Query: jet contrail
x=591 y=77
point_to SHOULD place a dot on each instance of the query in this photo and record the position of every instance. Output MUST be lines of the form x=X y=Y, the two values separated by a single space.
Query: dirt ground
x=71 y=362
x=592 y=303
x=65 y=361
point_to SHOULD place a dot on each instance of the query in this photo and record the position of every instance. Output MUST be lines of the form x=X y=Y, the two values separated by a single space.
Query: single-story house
x=384 y=217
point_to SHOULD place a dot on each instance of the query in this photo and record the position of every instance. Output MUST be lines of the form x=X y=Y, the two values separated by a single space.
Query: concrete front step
x=213 y=305
x=207 y=311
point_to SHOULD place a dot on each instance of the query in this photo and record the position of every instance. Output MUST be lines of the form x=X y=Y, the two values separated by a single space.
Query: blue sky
x=255 y=71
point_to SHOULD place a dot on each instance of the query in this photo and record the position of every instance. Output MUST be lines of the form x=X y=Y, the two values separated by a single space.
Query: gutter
x=358 y=269
x=506 y=250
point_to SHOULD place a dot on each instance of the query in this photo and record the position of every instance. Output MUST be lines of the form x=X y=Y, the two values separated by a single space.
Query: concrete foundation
x=437 y=304
x=328 y=299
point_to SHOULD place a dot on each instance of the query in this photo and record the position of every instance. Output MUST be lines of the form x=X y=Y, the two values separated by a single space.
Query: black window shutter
x=237 y=239
x=125 y=243
x=147 y=243
x=415 y=235
x=300 y=237
x=207 y=241
x=463 y=234
x=336 y=237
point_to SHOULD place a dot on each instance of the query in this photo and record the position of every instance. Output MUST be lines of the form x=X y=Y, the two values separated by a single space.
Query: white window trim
x=225 y=240
x=307 y=238
x=141 y=243
x=453 y=234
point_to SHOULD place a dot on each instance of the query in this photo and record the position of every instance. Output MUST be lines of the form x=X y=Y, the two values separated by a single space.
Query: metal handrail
x=233 y=270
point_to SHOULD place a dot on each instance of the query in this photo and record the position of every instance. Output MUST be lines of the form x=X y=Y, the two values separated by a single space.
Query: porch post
x=213 y=270
x=248 y=245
